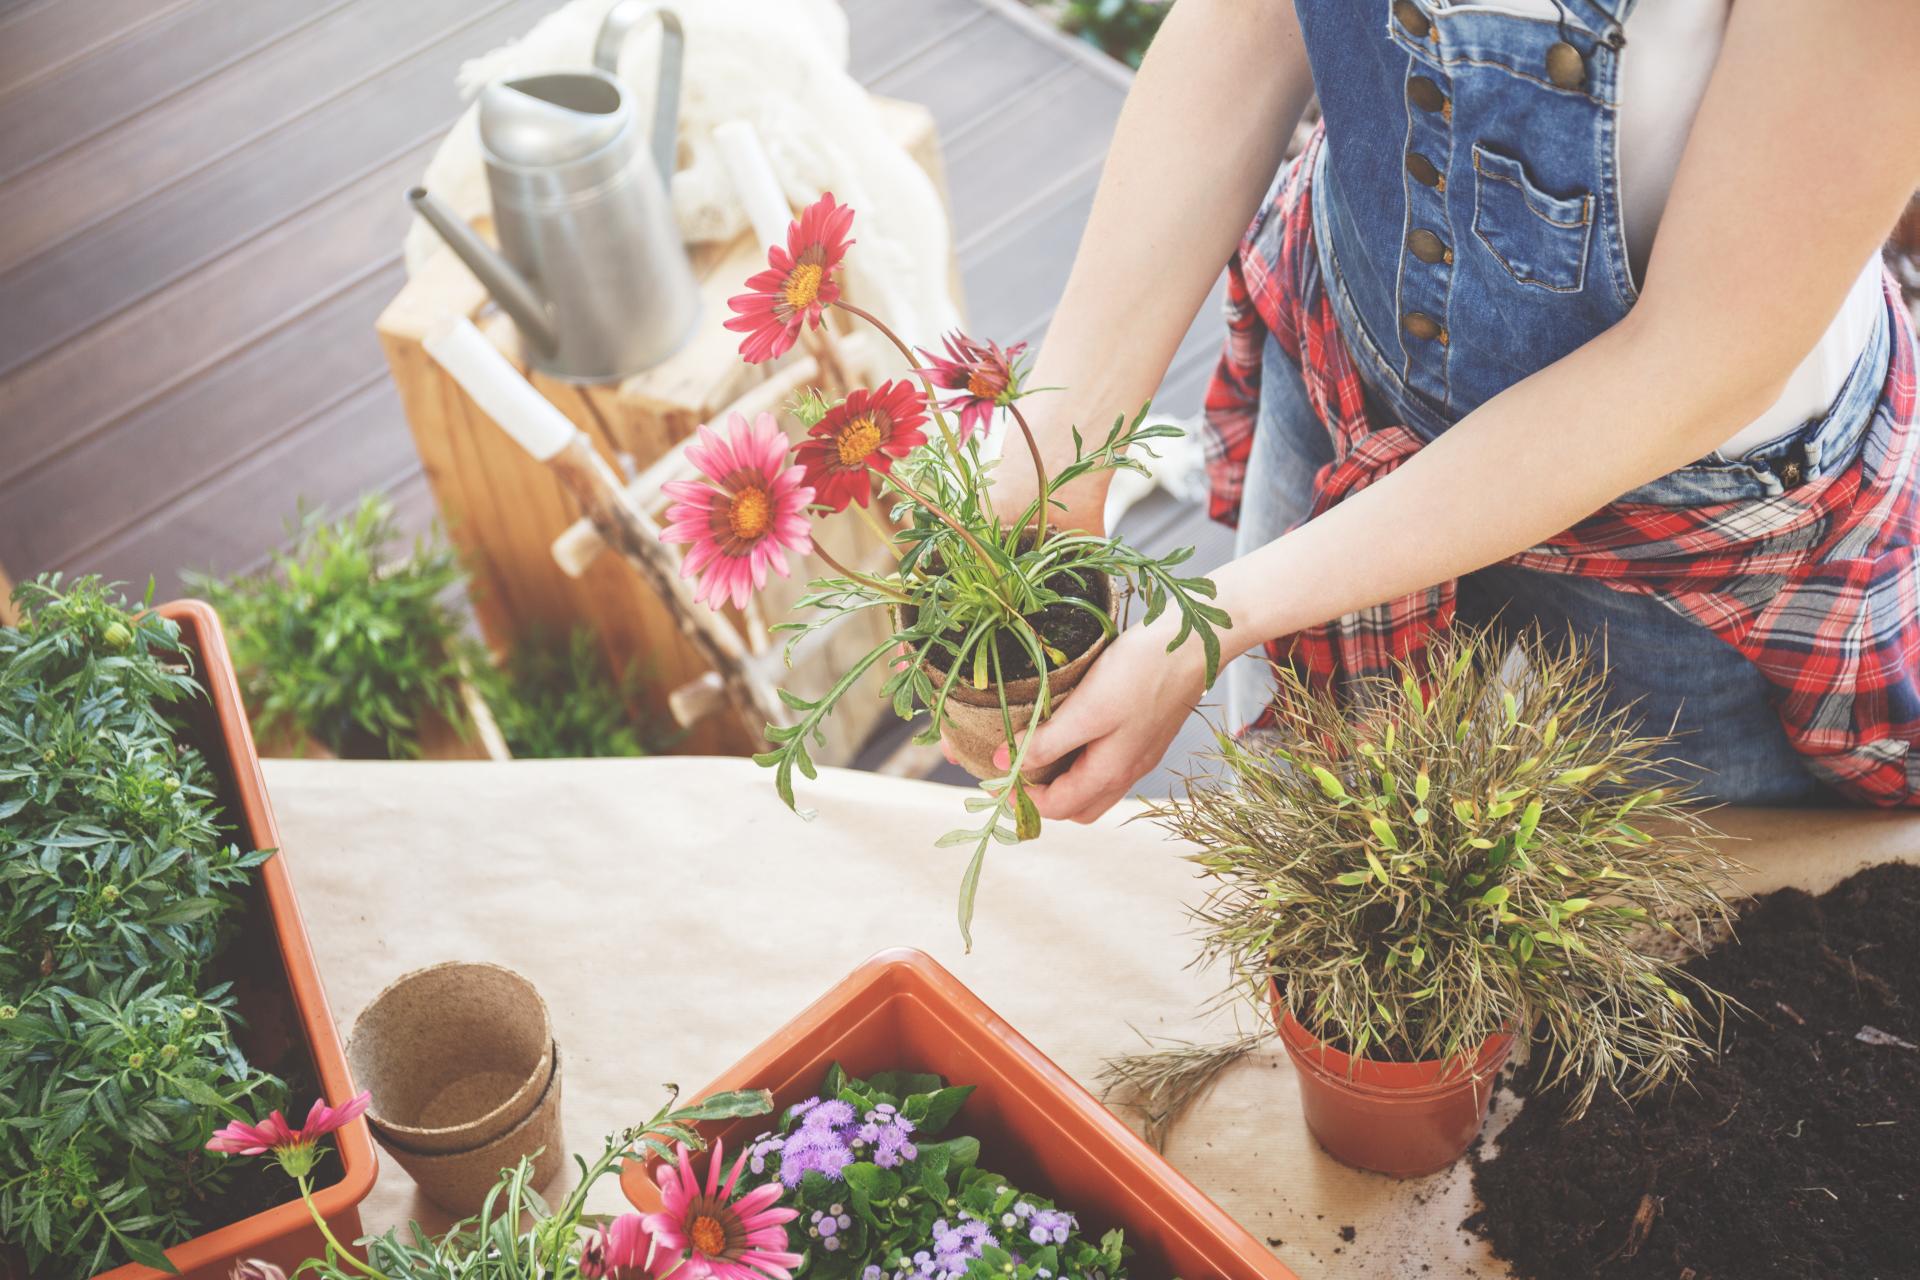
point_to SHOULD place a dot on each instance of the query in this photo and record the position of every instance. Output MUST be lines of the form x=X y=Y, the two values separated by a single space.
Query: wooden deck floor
x=201 y=215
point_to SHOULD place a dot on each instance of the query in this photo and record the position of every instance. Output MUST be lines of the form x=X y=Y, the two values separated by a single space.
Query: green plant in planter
x=345 y=641
x=557 y=701
x=1121 y=28
x=1493 y=851
x=977 y=603
x=116 y=887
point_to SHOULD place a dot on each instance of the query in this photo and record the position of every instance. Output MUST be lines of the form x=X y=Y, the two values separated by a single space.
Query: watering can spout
x=516 y=296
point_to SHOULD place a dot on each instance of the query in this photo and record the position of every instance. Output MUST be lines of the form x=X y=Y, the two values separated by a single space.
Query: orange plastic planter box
x=278 y=986
x=1035 y=1124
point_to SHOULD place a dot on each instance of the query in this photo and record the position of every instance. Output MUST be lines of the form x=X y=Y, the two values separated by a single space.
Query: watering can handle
x=619 y=24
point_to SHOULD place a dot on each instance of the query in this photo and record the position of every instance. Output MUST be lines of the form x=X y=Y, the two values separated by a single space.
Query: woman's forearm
x=1202 y=133
x=1534 y=460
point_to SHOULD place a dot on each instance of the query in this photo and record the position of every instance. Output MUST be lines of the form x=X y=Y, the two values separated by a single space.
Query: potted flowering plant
x=899 y=1090
x=732 y=1232
x=1485 y=859
x=994 y=619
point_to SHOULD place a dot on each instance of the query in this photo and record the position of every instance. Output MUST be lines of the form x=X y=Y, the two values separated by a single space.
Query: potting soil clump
x=1795 y=1153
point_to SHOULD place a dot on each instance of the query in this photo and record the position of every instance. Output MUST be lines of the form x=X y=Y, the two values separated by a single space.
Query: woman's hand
x=1121 y=719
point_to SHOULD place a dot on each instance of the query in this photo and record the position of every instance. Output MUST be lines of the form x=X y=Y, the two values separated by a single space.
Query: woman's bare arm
x=1201 y=135
x=1803 y=154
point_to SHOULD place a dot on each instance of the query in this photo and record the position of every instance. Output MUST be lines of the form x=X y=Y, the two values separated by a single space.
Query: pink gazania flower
x=797 y=284
x=985 y=376
x=619 y=1250
x=747 y=519
x=295 y=1149
x=723 y=1238
x=255 y=1269
x=862 y=434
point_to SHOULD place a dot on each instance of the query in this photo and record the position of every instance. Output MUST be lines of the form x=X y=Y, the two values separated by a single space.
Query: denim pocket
x=1540 y=239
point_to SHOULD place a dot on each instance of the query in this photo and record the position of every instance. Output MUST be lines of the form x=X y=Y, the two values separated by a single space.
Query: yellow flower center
x=750 y=514
x=979 y=384
x=803 y=285
x=708 y=1236
x=857 y=439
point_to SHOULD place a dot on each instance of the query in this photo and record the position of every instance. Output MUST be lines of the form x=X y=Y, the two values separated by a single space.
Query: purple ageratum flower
x=889 y=1134
x=956 y=1246
x=831 y=1114
x=761 y=1148
x=1049 y=1226
x=811 y=1150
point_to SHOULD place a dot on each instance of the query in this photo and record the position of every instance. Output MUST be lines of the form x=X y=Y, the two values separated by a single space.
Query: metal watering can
x=591 y=267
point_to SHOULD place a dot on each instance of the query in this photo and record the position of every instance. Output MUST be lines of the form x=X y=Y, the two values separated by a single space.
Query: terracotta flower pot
x=1035 y=1124
x=1404 y=1119
x=281 y=997
x=975 y=730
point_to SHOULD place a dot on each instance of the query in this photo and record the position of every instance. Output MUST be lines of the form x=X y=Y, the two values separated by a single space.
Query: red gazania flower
x=295 y=1149
x=983 y=374
x=797 y=284
x=862 y=434
x=747 y=519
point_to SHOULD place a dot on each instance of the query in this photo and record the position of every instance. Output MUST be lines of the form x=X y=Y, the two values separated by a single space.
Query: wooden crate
x=502 y=510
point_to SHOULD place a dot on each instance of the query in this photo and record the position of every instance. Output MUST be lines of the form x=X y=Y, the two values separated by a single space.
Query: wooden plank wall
x=201 y=214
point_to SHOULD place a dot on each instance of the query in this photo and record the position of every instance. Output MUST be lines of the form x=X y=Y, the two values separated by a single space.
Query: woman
x=1574 y=309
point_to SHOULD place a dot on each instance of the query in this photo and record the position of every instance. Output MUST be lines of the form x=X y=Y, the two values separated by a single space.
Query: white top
x=1671 y=49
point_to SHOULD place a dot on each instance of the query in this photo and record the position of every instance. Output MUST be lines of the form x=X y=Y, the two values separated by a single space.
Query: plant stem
x=885 y=534
x=933 y=401
x=1039 y=471
x=333 y=1243
x=871 y=583
x=938 y=511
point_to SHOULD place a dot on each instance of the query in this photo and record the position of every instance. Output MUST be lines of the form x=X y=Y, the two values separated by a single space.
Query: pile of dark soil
x=1795 y=1154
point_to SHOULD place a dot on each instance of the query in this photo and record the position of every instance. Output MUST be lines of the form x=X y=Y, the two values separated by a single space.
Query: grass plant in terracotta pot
x=994 y=619
x=1422 y=879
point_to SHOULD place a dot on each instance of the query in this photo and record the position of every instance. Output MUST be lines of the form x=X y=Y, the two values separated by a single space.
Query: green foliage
x=967 y=591
x=517 y=1235
x=1435 y=865
x=343 y=641
x=560 y=702
x=1121 y=28
x=892 y=1211
x=116 y=888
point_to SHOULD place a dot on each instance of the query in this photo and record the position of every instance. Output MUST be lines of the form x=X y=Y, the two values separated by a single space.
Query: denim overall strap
x=1467 y=203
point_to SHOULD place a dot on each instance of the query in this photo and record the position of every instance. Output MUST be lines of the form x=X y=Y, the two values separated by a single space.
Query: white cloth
x=1672 y=47
x=782 y=65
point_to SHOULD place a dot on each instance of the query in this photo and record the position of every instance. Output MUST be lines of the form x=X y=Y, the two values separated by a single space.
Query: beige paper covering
x=673 y=913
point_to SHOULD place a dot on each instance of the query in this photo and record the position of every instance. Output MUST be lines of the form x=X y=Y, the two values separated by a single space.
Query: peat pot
x=465 y=1076
x=974 y=728
x=287 y=1028
x=903 y=1011
x=1404 y=1119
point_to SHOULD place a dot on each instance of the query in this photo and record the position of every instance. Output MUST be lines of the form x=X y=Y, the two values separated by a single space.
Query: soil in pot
x=1068 y=628
x=1795 y=1154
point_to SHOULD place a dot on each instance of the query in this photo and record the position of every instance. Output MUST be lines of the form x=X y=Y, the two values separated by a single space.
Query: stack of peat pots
x=465 y=1077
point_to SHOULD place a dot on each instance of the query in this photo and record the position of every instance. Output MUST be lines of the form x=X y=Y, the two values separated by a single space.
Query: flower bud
x=117 y=636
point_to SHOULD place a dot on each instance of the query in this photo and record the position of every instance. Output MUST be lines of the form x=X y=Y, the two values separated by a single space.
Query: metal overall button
x=1426 y=95
x=1428 y=247
x=1424 y=171
x=1565 y=66
x=1423 y=326
x=1792 y=469
x=1416 y=23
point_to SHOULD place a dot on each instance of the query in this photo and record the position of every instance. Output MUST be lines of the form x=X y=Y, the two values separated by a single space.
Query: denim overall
x=1467 y=211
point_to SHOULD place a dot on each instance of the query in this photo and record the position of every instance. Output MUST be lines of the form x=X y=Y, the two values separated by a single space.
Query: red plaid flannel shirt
x=1819 y=586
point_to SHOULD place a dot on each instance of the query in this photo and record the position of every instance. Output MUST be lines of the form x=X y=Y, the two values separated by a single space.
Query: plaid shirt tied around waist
x=1819 y=586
